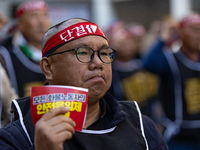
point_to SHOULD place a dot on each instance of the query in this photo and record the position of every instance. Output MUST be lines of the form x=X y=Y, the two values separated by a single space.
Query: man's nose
x=96 y=62
x=96 y=56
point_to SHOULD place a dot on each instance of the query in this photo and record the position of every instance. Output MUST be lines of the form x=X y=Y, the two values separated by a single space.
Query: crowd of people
x=158 y=68
x=179 y=72
x=20 y=52
x=130 y=81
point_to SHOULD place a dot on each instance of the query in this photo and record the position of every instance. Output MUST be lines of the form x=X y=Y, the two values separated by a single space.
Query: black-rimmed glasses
x=85 y=54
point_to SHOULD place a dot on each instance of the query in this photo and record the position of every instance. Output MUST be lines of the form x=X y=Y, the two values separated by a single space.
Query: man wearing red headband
x=22 y=51
x=76 y=53
x=179 y=73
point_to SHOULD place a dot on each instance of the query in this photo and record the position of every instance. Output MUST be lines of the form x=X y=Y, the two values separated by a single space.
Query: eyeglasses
x=85 y=54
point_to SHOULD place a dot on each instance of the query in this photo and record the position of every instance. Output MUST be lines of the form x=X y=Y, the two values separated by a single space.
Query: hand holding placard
x=44 y=98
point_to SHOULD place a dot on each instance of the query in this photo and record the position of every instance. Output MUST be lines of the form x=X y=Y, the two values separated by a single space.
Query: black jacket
x=120 y=126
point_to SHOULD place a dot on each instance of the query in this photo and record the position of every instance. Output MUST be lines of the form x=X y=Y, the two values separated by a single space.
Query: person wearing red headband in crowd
x=179 y=73
x=129 y=80
x=76 y=53
x=22 y=50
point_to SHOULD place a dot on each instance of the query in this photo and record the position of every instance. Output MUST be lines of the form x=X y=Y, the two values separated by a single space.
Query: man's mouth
x=97 y=78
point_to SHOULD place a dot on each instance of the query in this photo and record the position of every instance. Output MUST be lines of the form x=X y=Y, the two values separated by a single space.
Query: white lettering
x=94 y=28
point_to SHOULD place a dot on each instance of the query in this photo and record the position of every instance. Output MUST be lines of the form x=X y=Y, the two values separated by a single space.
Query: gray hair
x=58 y=27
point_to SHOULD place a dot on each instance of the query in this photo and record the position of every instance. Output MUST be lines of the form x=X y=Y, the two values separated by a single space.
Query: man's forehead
x=34 y=13
x=190 y=20
x=192 y=26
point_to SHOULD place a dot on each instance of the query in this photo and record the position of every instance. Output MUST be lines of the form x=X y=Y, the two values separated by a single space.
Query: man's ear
x=46 y=68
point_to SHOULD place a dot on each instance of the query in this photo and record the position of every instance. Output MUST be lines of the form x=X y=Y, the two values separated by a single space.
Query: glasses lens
x=84 y=54
x=106 y=55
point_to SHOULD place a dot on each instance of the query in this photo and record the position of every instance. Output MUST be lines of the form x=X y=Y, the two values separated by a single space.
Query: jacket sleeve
x=11 y=138
x=154 y=138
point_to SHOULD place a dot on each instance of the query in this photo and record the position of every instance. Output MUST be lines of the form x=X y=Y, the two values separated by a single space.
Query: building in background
x=105 y=11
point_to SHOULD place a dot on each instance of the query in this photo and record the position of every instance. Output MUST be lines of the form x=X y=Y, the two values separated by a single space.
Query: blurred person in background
x=130 y=81
x=151 y=35
x=3 y=22
x=22 y=50
x=7 y=93
x=179 y=72
x=137 y=33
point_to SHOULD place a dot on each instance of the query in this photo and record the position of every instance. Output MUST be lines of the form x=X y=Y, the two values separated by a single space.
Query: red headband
x=190 y=20
x=137 y=30
x=30 y=6
x=71 y=33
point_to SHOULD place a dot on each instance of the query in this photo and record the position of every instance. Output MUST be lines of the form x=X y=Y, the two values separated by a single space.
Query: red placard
x=44 y=98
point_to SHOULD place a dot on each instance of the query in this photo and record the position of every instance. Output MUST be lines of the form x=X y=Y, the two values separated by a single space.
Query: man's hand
x=53 y=129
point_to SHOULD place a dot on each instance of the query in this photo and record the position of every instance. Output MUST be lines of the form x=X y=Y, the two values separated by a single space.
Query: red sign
x=44 y=98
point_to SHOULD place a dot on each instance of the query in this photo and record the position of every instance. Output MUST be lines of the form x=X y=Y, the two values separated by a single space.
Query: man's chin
x=97 y=93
